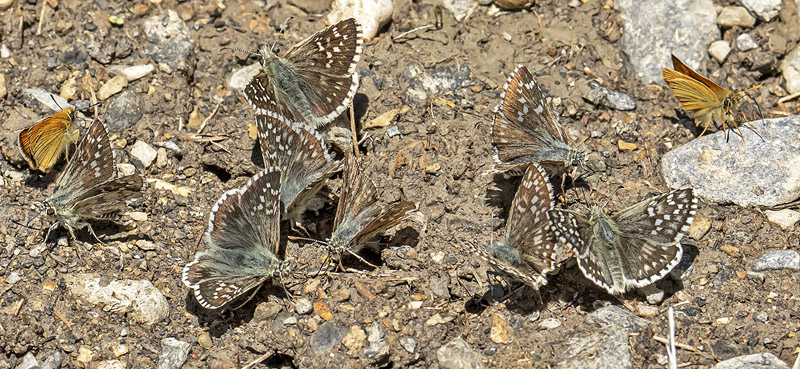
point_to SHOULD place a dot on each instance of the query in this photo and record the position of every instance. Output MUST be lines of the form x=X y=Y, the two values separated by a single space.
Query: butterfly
x=315 y=81
x=89 y=188
x=633 y=248
x=302 y=157
x=708 y=100
x=526 y=131
x=359 y=215
x=43 y=143
x=527 y=251
x=241 y=239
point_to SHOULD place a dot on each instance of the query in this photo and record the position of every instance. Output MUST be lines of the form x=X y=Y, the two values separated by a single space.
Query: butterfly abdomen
x=503 y=253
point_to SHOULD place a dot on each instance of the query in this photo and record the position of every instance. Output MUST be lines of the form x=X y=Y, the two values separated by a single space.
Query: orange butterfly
x=708 y=100
x=43 y=143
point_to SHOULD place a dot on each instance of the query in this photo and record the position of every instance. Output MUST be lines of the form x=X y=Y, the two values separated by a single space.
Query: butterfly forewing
x=241 y=242
x=43 y=143
x=650 y=235
x=93 y=162
x=316 y=81
x=528 y=251
x=525 y=130
x=718 y=91
x=301 y=155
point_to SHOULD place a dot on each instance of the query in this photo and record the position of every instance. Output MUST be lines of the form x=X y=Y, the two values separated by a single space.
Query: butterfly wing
x=107 y=199
x=326 y=69
x=527 y=227
x=576 y=232
x=301 y=155
x=395 y=214
x=43 y=143
x=650 y=235
x=358 y=204
x=525 y=130
x=242 y=240
x=92 y=164
x=718 y=91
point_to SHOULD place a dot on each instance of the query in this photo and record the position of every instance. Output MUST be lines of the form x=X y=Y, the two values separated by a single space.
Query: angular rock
x=110 y=364
x=38 y=96
x=685 y=25
x=133 y=72
x=615 y=317
x=765 y=9
x=326 y=337
x=746 y=42
x=173 y=353
x=785 y=218
x=28 y=362
x=719 y=50
x=378 y=348
x=171 y=43
x=303 y=306
x=124 y=111
x=749 y=172
x=601 y=350
x=459 y=8
x=777 y=260
x=409 y=344
x=754 y=361
x=371 y=14
x=140 y=299
x=601 y=96
x=457 y=354
x=112 y=87
x=53 y=360
x=143 y=154
x=424 y=83
x=240 y=78
x=790 y=66
x=732 y=16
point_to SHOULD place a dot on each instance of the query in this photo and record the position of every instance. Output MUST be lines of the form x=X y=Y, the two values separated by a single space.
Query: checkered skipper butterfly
x=527 y=251
x=302 y=157
x=526 y=131
x=241 y=240
x=89 y=188
x=633 y=248
x=315 y=81
x=359 y=215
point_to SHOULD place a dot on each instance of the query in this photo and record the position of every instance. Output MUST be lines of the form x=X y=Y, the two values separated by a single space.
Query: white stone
x=28 y=362
x=786 y=218
x=133 y=72
x=371 y=14
x=126 y=169
x=240 y=78
x=765 y=9
x=745 y=42
x=754 y=361
x=731 y=16
x=112 y=87
x=144 y=153
x=719 y=50
x=138 y=298
x=5 y=4
x=110 y=364
x=173 y=353
x=5 y=53
x=791 y=70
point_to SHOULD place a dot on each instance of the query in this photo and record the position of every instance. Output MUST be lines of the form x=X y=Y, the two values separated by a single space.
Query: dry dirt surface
x=423 y=293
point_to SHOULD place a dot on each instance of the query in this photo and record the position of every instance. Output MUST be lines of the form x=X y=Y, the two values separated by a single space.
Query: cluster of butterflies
x=309 y=87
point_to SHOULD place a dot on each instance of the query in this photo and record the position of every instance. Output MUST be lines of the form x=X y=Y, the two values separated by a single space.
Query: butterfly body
x=242 y=240
x=633 y=248
x=708 y=101
x=88 y=187
x=527 y=251
x=525 y=130
x=315 y=81
x=43 y=143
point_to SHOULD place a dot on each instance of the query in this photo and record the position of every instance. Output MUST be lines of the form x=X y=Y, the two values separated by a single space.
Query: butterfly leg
x=297 y=227
x=89 y=226
x=361 y=259
x=249 y=298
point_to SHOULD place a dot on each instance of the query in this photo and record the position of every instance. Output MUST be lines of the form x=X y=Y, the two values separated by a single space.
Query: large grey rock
x=791 y=70
x=171 y=43
x=685 y=27
x=607 y=349
x=777 y=260
x=755 y=361
x=139 y=298
x=457 y=354
x=744 y=172
x=765 y=9
x=124 y=111
x=173 y=353
x=613 y=316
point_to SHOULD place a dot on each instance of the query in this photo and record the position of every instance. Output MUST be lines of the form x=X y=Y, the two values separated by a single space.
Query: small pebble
x=745 y=42
x=550 y=323
x=719 y=50
x=303 y=306
x=112 y=87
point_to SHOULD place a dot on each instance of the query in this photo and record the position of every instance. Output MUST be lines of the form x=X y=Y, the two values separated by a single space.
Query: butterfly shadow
x=503 y=193
x=40 y=180
x=241 y=311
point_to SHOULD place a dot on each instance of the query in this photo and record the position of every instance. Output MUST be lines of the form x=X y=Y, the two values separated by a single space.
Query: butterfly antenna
x=758 y=109
x=240 y=50
x=283 y=27
x=56 y=102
